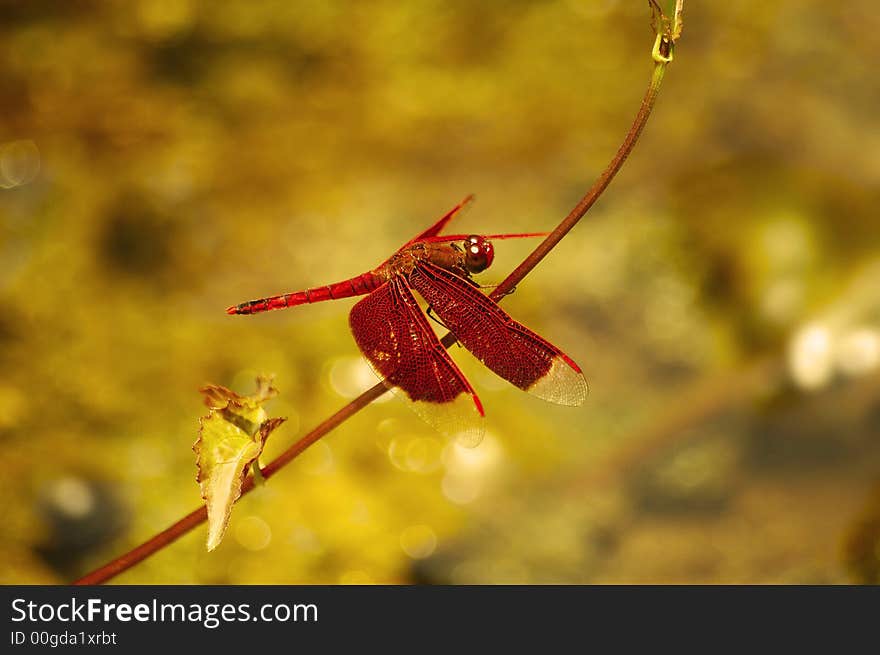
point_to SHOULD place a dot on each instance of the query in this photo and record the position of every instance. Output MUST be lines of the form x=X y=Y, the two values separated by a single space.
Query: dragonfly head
x=479 y=254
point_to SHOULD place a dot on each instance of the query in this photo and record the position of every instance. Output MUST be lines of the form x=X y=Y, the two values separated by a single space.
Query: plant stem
x=184 y=525
x=593 y=194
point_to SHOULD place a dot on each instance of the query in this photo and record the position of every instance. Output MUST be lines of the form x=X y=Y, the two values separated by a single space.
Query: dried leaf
x=231 y=437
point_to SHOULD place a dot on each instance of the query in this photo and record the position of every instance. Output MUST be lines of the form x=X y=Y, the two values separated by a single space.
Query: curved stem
x=198 y=516
x=593 y=194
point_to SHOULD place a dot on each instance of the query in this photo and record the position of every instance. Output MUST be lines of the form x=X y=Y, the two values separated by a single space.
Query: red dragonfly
x=398 y=342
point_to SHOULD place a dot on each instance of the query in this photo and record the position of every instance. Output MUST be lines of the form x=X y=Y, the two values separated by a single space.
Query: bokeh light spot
x=351 y=376
x=253 y=533
x=305 y=540
x=810 y=357
x=72 y=496
x=397 y=452
x=460 y=489
x=423 y=455
x=418 y=541
x=461 y=459
x=858 y=352
x=19 y=163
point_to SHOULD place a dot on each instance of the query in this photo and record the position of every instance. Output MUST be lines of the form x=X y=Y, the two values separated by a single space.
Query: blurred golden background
x=163 y=159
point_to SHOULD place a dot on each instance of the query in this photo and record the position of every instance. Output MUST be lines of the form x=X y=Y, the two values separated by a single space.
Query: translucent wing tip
x=563 y=384
x=460 y=419
x=472 y=435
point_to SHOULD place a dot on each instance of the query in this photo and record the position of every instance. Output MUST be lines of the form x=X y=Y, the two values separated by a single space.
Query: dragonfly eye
x=478 y=254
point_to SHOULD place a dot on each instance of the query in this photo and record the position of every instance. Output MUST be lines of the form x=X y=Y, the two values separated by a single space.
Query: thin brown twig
x=184 y=525
x=592 y=195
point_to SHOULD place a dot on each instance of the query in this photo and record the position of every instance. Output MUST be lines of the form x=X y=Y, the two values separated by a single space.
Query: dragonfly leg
x=495 y=286
x=430 y=313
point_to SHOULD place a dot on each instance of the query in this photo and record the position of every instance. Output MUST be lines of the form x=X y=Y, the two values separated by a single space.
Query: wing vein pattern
x=402 y=349
x=505 y=346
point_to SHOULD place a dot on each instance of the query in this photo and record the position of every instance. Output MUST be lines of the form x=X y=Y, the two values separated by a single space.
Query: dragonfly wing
x=396 y=339
x=435 y=229
x=506 y=347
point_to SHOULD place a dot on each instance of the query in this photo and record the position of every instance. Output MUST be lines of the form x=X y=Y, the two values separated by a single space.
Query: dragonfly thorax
x=473 y=255
x=479 y=254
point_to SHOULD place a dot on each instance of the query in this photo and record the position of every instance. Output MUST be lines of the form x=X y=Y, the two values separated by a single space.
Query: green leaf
x=231 y=437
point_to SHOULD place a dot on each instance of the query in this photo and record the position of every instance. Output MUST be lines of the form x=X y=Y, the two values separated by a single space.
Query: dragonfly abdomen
x=356 y=286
